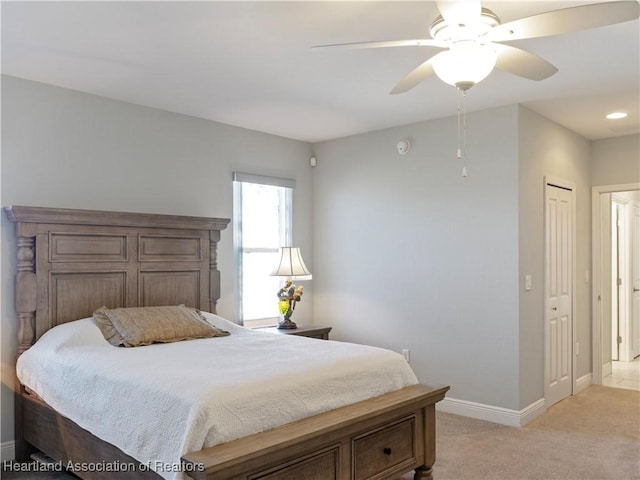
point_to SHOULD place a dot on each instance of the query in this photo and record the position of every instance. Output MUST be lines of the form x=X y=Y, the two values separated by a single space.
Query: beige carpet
x=598 y=411
x=594 y=435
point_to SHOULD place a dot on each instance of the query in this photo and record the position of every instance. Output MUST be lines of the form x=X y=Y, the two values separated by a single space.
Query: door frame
x=634 y=268
x=552 y=181
x=598 y=281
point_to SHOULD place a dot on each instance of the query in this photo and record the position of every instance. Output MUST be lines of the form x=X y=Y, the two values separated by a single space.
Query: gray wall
x=547 y=149
x=62 y=148
x=450 y=253
x=615 y=161
x=408 y=254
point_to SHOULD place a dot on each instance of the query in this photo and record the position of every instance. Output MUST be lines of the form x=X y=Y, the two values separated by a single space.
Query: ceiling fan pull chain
x=464 y=132
x=459 y=151
x=462 y=129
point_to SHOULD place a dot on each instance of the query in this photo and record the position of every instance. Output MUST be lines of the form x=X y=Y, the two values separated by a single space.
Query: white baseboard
x=532 y=412
x=583 y=382
x=7 y=451
x=490 y=413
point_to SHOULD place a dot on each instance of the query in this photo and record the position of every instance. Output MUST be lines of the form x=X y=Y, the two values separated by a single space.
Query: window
x=262 y=224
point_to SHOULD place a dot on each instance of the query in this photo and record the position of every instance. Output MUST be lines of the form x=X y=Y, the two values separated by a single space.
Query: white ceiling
x=250 y=64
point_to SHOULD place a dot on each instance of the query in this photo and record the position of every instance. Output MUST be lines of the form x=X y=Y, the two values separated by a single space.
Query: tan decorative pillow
x=137 y=326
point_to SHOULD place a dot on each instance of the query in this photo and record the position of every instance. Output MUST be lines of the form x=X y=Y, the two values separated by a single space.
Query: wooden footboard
x=378 y=438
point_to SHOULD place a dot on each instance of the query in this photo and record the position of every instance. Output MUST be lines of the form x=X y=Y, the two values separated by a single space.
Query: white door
x=558 y=322
x=635 y=282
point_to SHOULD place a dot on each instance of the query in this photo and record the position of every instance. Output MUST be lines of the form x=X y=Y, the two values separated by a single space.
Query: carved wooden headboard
x=71 y=262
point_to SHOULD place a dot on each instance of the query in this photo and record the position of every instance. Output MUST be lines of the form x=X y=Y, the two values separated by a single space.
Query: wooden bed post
x=25 y=298
x=425 y=471
x=214 y=273
x=25 y=305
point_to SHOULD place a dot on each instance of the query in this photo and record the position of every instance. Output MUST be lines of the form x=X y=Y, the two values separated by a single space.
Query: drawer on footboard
x=391 y=447
x=322 y=465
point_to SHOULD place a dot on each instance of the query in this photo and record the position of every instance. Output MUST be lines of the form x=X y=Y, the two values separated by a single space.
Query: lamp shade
x=464 y=64
x=291 y=265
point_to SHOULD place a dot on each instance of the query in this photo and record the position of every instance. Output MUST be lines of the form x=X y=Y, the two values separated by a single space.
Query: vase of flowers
x=288 y=296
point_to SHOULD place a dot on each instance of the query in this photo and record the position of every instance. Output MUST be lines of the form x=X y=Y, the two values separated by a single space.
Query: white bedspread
x=161 y=401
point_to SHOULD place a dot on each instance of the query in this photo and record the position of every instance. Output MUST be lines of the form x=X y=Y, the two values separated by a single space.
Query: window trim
x=264 y=180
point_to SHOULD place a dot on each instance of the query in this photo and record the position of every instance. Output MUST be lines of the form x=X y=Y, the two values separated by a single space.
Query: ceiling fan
x=469 y=40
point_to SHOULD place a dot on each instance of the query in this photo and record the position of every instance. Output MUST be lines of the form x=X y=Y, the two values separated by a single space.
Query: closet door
x=558 y=293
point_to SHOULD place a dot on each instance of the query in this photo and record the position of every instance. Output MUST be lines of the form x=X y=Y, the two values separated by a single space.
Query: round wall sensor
x=403 y=147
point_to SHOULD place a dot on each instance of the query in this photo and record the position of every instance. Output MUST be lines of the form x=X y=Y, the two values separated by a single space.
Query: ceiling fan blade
x=522 y=63
x=460 y=12
x=416 y=76
x=419 y=42
x=566 y=20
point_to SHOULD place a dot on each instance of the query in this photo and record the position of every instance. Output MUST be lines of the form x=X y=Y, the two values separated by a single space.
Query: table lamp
x=292 y=267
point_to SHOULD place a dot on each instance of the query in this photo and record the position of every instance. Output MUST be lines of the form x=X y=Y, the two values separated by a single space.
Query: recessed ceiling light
x=616 y=115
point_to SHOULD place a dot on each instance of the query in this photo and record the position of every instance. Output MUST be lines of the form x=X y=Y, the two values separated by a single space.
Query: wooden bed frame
x=70 y=262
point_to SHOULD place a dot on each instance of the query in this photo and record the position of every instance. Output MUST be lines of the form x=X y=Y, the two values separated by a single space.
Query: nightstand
x=311 y=331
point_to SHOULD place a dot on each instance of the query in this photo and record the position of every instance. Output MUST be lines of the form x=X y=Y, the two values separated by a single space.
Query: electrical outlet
x=405 y=354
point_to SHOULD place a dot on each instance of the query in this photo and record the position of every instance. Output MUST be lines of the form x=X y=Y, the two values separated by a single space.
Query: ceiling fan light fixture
x=464 y=64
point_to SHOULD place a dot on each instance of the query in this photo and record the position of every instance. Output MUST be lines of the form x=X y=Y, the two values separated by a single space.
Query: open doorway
x=616 y=286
